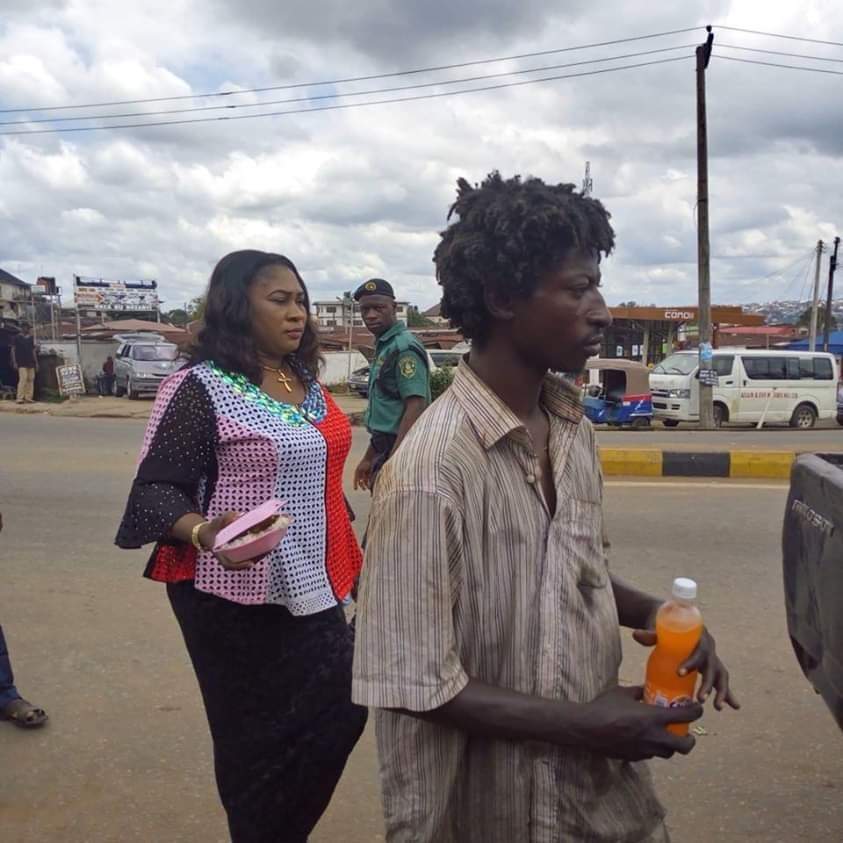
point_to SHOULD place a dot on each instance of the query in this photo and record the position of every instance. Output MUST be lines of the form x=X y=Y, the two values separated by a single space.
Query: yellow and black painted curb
x=736 y=465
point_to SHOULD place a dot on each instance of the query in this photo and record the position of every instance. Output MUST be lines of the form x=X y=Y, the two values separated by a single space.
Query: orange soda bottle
x=679 y=627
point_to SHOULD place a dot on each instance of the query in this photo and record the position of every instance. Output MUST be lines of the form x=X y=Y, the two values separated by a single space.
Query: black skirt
x=277 y=692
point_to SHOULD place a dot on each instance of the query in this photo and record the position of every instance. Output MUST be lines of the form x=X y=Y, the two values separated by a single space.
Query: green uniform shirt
x=406 y=376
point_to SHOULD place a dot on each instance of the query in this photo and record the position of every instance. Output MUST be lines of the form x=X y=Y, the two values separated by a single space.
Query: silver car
x=141 y=365
x=359 y=382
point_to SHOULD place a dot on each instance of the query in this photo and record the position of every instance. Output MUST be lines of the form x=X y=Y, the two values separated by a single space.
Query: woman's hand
x=208 y=536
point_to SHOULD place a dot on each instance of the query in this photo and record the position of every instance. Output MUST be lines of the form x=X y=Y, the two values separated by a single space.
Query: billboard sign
x=126 y=296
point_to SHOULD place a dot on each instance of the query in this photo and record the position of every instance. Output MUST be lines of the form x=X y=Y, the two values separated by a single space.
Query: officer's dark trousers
x=382 y=445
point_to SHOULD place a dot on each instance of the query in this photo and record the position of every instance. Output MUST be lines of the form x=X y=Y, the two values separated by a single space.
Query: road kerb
x=631 y=462
x=734 y=465
x=768 y=465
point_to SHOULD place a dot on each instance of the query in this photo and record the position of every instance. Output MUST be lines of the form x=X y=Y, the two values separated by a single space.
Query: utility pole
x=832 y=266
x=587 y=183
x=348 y=301
x=703 y=249
x=815 y=300
x=34 y=314
x=78 y=321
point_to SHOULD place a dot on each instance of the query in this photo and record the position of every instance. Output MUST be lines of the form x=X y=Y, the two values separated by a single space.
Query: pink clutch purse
x=254 y=534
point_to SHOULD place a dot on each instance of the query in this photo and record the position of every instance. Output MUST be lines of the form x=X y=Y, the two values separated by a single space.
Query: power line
x=349 y=79
x=805 y=280
x=399 y=88
x=779 y=35
x=721 y=45
x=344 y=106
x=800 y=260
x=776 y=273
x=784 y=66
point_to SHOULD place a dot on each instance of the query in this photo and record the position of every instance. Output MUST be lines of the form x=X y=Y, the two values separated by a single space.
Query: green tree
x=415 y=319
x=804 y=320
x=440 y=380
x=196 y=309
x=179 y=317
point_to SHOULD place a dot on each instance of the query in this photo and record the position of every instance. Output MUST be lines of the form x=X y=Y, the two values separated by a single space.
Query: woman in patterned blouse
x=248 y=421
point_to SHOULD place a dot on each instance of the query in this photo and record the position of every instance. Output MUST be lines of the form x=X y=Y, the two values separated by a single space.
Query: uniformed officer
x=399 y=378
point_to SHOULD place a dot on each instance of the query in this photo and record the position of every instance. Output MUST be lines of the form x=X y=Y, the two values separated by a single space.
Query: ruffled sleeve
x=178 y=461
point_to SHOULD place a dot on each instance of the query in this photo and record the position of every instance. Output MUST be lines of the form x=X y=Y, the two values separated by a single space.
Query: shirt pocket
x=585 y=529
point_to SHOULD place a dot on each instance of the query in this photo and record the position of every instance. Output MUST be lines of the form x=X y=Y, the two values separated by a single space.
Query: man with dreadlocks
x=488 y=634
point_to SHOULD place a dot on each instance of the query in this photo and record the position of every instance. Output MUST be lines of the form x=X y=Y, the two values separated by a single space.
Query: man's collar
x=493 y=419
x=396 y=329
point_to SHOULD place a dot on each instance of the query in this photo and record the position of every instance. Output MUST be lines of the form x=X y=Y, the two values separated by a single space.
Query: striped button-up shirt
x=467 y=573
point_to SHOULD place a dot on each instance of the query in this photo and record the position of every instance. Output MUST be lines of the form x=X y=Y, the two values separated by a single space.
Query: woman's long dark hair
x=225 y=335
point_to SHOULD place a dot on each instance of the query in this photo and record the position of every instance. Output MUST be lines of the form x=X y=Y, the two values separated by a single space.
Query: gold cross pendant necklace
x=283 y=378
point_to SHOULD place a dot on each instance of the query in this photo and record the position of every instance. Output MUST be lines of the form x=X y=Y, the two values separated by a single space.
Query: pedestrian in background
x=105 y=382
x=268 y=638
x=25 y=361
x=13 y=706
x=399 y=379
x=488 y=632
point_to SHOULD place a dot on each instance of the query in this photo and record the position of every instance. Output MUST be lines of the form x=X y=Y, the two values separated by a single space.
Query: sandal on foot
x=24 y=714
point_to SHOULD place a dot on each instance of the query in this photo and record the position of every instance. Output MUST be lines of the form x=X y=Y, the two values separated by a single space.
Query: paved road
x=828 y=435
x=127 y=755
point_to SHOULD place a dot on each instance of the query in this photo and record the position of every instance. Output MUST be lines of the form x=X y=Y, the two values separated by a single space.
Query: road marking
x=723 y=484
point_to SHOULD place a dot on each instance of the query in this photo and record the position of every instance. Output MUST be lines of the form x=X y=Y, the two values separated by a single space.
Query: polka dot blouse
x=216 y=443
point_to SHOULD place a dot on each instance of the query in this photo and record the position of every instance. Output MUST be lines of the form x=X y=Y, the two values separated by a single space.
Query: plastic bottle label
x=653 y=696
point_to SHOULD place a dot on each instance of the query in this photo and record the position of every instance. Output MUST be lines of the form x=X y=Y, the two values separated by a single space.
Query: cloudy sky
x=363 y=191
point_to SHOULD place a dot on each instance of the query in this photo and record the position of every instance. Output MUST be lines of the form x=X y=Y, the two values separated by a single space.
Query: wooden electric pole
x=703 y=250
x=815 y=299
x=832 y=266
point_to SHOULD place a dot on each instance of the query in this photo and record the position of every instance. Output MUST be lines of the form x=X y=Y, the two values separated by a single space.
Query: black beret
x=374 y=287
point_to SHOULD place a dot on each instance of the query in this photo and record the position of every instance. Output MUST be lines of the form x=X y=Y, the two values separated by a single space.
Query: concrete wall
x=94 y=353
x=336 y=366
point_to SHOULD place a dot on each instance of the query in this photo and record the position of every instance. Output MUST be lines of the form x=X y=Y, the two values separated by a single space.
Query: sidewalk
x=95 y=407
x=85 y=407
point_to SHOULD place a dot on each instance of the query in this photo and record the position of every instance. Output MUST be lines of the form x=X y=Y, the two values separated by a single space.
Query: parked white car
x=140 y=365
x=795 y=387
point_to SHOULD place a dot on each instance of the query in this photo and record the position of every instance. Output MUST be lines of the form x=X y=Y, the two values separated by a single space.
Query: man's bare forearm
x=614 y=724
x=636 y=609
x=490 y=711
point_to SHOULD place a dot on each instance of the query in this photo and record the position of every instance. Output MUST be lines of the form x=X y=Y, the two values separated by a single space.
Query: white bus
x=796 y=387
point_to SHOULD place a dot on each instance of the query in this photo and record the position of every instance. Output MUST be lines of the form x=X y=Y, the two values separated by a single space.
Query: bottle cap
x=684 y=589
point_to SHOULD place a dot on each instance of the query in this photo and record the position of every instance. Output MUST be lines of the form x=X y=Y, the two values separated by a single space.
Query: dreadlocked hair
x=509 y=234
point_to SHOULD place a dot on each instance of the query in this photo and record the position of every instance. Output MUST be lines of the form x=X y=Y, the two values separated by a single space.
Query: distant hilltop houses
x=788 y=312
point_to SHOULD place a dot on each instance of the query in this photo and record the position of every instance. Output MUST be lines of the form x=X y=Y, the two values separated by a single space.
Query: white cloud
x=86 y=217
x=351 y=193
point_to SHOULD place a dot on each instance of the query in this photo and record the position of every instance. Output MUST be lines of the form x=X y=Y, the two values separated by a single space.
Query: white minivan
x=797 y=387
